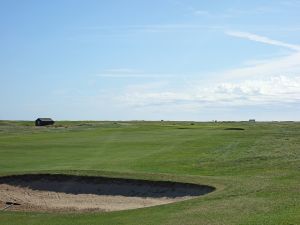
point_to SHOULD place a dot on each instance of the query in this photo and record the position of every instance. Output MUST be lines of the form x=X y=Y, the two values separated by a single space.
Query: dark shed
x=44 y=121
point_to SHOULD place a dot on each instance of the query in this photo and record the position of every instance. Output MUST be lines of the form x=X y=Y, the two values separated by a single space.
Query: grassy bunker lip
x=59 y=192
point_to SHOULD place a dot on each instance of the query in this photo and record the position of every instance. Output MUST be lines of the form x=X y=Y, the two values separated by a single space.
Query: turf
x=255 y=169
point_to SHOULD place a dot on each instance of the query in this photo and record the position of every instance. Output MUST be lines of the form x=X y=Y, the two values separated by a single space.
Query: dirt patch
x=46 y=192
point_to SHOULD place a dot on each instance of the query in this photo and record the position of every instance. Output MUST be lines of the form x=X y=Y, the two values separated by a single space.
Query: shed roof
x=44 y=119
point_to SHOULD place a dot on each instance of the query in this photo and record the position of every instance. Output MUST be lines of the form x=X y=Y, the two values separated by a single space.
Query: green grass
x=256 y=171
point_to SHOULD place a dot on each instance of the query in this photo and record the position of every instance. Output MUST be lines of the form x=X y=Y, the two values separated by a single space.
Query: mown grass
x=256 y=170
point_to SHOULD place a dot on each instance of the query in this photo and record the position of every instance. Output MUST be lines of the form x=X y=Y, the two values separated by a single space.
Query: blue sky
x=150 y=60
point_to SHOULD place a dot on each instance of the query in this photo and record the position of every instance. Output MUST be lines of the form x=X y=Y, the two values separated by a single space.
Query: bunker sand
x=67 y=193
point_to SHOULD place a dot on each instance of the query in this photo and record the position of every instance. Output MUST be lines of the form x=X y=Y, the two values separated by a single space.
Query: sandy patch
x=80 y=193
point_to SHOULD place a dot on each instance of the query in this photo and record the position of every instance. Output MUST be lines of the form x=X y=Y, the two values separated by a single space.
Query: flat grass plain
x=256 y=171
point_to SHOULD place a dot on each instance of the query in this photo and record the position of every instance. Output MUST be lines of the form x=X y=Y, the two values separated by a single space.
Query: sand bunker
x=45 y=192
x=234 y=128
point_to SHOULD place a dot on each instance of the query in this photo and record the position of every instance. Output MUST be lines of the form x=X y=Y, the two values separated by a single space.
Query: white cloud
x=272 y=81
x=280 y=89
x=130 y=73
x=286 y=65
x=202 y=13
x=134 y=75
x=262 y=39
x=123 y=70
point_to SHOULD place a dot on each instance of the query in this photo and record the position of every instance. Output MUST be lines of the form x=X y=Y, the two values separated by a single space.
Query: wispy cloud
x=286 y=65
x=202 y=13
x=290 y=3
x=123 y=70
x=131 y=73
x=214 y=15
x=135 y=75
x=262 y=39
x=236 y=12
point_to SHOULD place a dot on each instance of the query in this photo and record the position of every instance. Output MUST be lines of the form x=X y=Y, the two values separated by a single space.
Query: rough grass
x=256 y=170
